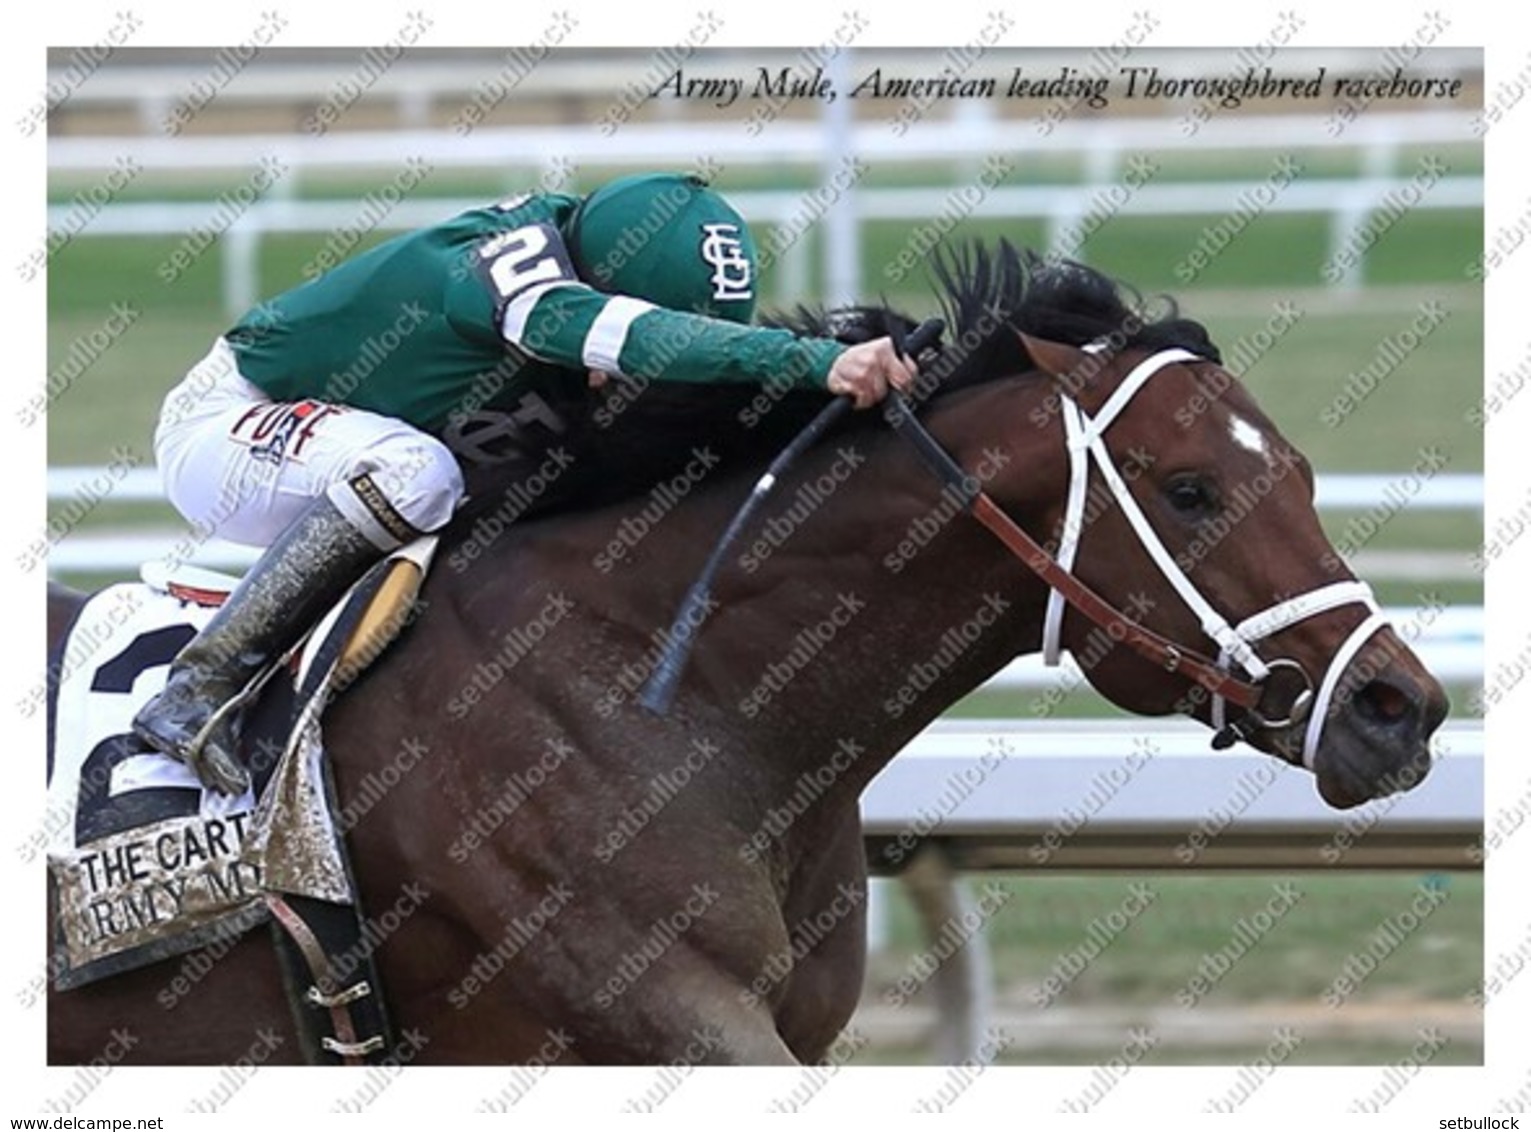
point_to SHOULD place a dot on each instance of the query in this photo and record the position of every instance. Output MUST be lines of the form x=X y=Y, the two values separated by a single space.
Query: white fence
x=1102 y=143
x=1115 y=794
x=839 y=204
x=1063 y=208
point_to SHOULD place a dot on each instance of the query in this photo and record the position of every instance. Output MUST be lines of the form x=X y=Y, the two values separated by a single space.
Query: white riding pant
x=242 y=467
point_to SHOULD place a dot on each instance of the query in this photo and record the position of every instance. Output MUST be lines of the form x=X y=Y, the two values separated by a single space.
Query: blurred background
x=187 y=185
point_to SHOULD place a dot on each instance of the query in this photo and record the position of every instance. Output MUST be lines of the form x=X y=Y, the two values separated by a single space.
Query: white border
x=1002 y=1092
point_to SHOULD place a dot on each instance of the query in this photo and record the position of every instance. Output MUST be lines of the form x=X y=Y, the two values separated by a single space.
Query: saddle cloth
x=148 y=864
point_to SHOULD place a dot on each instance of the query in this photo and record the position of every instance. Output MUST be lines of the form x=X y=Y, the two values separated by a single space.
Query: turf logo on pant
x=732 y=272
x=276 y=432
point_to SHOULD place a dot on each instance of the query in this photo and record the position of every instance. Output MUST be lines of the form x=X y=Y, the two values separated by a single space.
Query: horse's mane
x=985 y=295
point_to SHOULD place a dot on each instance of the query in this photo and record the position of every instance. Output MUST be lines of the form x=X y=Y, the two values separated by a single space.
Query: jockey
x=323 y=425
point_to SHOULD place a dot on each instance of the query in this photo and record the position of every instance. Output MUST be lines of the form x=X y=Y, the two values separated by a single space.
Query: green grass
x=1194 y=915
x=1146 y=971
x=1274 y=250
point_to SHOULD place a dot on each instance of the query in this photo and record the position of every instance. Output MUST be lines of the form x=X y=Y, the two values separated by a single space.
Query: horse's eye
x=1192 y=496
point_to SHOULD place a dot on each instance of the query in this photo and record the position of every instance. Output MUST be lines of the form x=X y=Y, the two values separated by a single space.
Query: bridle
x=1085 y=441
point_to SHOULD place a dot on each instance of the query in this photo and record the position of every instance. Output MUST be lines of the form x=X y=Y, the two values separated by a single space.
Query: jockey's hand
x=598 y=378
x=866 y=371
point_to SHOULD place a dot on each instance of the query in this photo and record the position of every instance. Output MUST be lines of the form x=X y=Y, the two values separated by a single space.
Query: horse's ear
x=1070 y=366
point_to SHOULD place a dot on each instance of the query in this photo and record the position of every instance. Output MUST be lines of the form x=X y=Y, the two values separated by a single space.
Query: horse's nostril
x=1384 y=703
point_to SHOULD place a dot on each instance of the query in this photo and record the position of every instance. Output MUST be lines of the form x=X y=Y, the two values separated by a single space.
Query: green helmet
x=668 y=239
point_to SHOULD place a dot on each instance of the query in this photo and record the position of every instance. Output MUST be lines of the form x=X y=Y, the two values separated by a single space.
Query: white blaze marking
x=1247 y=436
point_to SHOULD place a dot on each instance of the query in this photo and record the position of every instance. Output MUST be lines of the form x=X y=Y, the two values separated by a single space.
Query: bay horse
x=645 y=898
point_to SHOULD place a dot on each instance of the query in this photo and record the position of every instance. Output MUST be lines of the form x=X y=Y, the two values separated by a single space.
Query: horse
x=648 y=900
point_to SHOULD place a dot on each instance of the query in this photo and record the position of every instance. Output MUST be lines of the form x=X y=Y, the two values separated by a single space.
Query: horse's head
x=1167 y=492
x=1211 y=538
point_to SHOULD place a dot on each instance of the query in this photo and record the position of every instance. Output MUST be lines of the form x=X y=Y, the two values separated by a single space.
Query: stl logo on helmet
x=731 y=268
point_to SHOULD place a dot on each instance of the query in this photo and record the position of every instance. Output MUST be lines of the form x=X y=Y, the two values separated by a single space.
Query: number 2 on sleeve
x=524 y=257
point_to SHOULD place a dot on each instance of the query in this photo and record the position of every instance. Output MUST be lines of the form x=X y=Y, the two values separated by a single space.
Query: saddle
x=146 y=864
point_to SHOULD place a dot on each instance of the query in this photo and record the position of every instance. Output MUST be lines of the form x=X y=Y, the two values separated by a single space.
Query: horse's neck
x=882 y=607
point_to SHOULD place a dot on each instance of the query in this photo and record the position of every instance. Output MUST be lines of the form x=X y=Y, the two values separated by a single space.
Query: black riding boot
x=303 y=573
